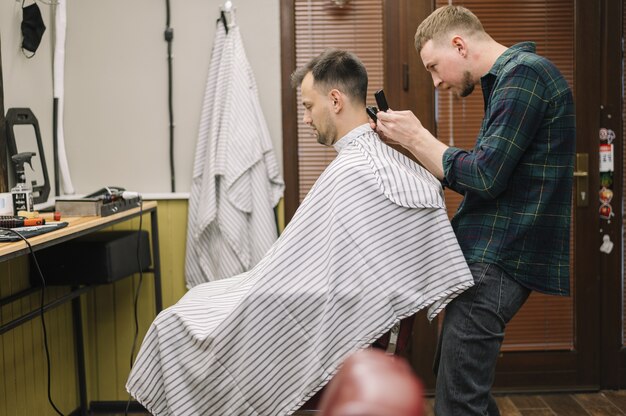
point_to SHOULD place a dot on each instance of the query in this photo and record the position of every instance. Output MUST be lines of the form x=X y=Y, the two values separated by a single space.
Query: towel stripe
x=236 y=180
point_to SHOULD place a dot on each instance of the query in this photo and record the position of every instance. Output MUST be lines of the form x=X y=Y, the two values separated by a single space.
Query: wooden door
x=553 y=342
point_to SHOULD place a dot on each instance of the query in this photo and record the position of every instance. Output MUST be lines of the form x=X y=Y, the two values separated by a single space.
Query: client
x=370 y=244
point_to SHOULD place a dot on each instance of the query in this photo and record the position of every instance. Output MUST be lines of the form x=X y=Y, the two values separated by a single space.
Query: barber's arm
x=516 y=113
x=403 y=128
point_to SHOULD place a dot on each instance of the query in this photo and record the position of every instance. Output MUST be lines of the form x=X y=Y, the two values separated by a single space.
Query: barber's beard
x=468 y=85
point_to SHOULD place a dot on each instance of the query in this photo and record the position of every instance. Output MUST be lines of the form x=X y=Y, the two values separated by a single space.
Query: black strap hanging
x=4 y=179
x=223 y=20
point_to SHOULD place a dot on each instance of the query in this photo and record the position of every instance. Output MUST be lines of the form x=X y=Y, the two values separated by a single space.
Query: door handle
x=582 y=179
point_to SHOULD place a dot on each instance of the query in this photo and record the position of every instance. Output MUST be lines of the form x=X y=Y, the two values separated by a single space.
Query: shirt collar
x=506 y=56
x=352 y=134
x=487 y=80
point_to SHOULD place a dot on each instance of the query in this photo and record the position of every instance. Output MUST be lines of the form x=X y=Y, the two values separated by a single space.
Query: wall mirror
x=24 y=136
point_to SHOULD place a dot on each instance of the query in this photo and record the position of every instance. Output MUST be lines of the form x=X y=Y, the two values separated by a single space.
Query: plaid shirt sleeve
x=516 y=113
x=517 y=180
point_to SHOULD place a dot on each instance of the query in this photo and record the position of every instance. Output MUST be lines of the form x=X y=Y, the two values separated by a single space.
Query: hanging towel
x=236 y=180
x=370 y=245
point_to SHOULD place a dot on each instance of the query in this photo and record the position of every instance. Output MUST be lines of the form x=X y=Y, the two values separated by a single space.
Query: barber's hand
x=374 y=126
x=399 y=127
x=404 y=129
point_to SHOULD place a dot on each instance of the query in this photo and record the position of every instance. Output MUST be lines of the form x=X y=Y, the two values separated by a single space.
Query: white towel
x=370 y=245
x=236 y=181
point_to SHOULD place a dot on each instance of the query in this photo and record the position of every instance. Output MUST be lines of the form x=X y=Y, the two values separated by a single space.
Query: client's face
x=317 y=111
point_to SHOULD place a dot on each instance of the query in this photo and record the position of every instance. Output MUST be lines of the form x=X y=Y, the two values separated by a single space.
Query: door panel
x=545 y=322
x=553 y=341
x=540 y=352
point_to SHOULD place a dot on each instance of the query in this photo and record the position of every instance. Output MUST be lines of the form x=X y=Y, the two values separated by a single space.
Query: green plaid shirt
x=517 y=181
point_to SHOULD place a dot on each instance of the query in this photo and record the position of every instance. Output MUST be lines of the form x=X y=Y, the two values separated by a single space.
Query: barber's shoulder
x=529 y=66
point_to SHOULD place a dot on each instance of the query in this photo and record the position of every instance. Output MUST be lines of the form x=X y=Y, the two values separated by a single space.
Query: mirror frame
x=24 y=116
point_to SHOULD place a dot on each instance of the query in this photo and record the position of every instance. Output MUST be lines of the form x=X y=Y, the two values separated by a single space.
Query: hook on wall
x=227 y=15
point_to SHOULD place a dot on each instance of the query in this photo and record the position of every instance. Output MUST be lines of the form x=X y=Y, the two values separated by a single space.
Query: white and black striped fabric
x=370 y=244
x=236 y=181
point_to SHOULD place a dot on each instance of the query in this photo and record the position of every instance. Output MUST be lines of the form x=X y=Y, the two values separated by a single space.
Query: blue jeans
x=470 y=340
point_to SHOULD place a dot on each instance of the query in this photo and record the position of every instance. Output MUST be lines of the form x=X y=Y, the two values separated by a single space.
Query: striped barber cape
x=370 y=245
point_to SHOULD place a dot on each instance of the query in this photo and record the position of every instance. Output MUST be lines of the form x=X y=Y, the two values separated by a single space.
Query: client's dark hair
x=336 y=68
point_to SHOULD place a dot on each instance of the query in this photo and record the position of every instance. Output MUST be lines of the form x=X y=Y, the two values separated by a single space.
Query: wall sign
x=607 y=167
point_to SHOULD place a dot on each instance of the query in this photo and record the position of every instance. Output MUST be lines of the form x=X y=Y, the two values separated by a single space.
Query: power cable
x=43 y=322
x=136 y=298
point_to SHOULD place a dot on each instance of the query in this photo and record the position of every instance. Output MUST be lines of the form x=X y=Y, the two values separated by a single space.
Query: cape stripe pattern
x=370 y=245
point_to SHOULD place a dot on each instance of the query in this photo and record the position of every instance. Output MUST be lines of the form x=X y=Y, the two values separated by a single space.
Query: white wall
x=27 y=82
x=116 y=111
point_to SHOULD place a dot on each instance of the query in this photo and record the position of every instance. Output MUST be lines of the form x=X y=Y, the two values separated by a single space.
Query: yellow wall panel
x=23 y=369
x=108 y=327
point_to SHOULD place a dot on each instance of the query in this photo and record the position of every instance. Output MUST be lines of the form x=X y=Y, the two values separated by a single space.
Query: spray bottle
x=22 y=193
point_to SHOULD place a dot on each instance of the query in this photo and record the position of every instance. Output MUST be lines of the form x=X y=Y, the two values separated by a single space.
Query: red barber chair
x=372 y=383
x=393 y=367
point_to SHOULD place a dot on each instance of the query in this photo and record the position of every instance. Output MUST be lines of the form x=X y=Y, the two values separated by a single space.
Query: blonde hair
x=444 y=20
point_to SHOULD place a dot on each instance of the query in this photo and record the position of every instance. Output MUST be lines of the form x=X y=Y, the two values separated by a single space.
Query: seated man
x=370 y=244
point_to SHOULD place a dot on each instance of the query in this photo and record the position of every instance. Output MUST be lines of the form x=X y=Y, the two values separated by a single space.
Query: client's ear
x=337 y=99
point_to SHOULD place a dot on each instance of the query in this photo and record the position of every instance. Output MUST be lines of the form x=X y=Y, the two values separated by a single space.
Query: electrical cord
x=43 y=288
x=43 y=322
x=136 y=297
x=132 y=351
x=169 y=36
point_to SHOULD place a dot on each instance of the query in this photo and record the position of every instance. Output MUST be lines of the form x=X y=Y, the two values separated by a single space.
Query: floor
x=604 y=403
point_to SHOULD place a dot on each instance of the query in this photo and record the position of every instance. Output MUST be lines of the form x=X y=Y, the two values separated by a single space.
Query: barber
x=514 y=222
